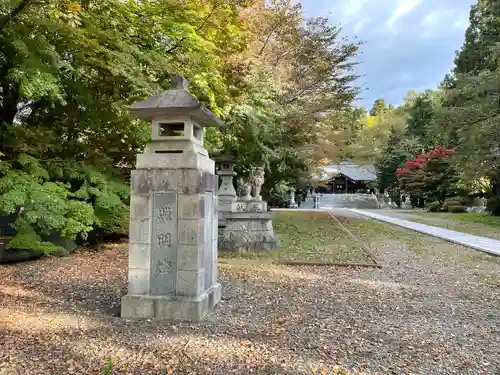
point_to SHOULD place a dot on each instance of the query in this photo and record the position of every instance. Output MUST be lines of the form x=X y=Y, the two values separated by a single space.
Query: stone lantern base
x=171 y=308
x=173 y=238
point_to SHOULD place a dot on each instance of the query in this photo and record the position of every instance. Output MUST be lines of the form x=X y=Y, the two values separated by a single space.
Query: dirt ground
x=432 y=309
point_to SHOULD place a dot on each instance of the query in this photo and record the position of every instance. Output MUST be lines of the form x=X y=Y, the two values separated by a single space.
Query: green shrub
x=493 y=205
x=453 y=201
x=434 y=206
x=66 y=198
x=457 y=209
x=279 y=196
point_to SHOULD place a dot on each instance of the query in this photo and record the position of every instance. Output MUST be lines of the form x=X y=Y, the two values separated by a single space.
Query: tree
x=421 y=118
x=371 y=138
x=13 y=13
x=68 y=69
x=472 y=118
x=301 y=70
x=481 y=36
x=378 y=108
x=397 y=150
x=429 y=176
x=469 y=114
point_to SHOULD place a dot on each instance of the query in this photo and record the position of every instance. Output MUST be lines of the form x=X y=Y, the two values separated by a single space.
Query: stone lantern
x=173 y=212
x=293 y=203
x=227 y=194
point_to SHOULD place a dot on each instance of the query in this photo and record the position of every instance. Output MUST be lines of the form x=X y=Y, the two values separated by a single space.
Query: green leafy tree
x=469 y=114
x=421 y=118
x=378 y=108
x=68 y=70
x=398 y=150
x=482 y=34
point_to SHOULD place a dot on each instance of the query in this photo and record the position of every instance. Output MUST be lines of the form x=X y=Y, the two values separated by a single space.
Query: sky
x=408 y=44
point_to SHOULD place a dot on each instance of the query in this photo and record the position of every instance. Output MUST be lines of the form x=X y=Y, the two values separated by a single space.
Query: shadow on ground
x=412 y=316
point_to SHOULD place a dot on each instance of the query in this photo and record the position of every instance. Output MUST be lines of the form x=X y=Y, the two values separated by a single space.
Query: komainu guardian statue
x=257 y=180
x=244 y=189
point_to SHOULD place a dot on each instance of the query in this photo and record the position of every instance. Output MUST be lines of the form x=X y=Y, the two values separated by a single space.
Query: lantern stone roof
x=223 y=157
x=177 y=101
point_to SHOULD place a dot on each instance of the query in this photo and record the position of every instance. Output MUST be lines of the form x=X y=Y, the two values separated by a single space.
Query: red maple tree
x=428 y=175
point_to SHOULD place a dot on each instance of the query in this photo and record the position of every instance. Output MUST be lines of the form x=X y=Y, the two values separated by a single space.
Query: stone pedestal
x=249 y=226
x=173 y=239
x=248 y=232
x=248 y=229
x=406 y=205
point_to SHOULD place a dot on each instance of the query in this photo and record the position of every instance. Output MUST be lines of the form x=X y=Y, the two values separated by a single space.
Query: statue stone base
x=248 y=232
x=249 y=229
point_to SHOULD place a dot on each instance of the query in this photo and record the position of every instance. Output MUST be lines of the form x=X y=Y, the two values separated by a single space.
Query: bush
x=434 y=206
x=493 y=205
x=65 y=199
x=279 y=196
x=453 y=201
x=457 y=209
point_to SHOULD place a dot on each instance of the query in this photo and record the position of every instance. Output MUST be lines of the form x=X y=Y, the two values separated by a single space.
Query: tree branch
x=268 y=38
x=13 y=13
x=205 y=20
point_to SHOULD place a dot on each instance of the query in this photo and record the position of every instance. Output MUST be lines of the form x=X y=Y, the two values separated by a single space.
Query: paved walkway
x=487 y=245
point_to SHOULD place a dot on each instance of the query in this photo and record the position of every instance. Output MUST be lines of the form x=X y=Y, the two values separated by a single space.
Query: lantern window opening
x=171 y=129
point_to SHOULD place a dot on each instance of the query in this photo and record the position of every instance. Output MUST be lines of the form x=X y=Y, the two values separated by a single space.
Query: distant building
x=345 y=178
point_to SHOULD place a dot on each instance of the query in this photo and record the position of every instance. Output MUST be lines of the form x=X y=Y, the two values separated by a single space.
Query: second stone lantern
x=227 y=194
x=173 y=212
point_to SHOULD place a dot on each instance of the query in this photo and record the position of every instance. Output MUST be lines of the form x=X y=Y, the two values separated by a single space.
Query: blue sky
x=409 y=44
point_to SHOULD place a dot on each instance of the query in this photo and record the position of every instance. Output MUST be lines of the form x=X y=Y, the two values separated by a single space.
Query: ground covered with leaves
x=432 y=309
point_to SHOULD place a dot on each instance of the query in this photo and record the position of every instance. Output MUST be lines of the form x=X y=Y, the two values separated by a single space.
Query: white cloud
x=403 y=7
x=440 y=20
x=431 y=19
x=408 y=44
x=359 y=25
x=353 y=7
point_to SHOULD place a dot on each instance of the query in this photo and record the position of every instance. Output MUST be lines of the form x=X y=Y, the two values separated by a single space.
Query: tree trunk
x=13 y=13
x=495 y=187
x=8 y=110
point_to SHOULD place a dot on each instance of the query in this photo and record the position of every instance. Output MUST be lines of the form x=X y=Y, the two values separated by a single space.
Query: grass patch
x=492 y=221
x=378 y=232
x=477 y=224
x=310 y=236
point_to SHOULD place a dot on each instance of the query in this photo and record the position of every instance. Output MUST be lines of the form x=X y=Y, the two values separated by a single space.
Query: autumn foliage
x=421 y=160
x=429 y=176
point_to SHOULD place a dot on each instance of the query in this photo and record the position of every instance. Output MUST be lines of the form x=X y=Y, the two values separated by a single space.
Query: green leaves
x=80 y=218
x=57 y=206
x=470 y=110
x=27 y=238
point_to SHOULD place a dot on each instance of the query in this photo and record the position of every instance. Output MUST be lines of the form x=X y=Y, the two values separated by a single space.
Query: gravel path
x=431 y=312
